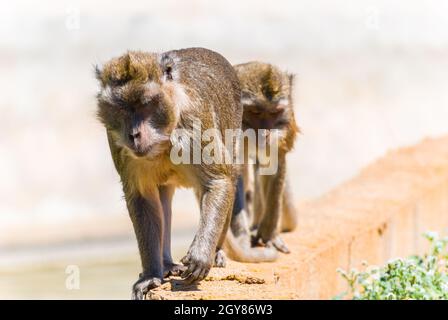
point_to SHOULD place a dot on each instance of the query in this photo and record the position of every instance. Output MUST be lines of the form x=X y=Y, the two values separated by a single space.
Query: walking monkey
x=263 y=202
x=143 y=98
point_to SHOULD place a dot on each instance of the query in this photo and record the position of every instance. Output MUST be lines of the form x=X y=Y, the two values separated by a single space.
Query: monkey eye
x=276 y=112
x=282 y=123
x=118 y=81
x=255 y=112
x=168 y=72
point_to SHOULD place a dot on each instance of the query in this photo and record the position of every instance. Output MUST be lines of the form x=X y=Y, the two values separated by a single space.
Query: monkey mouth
x=140 y=154
x=148 y=153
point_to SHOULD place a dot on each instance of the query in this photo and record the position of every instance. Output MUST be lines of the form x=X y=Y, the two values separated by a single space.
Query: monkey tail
x=240 y=253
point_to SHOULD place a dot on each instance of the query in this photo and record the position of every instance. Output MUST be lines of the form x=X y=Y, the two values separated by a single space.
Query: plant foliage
x=417 y=277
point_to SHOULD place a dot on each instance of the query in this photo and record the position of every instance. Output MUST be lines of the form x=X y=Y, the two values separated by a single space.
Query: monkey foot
x=173 y=269
x=143 y=285
x=276 y=242
x=197 y=267
x=220 y=259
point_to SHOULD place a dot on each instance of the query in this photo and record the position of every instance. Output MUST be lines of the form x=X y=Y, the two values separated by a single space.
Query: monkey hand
x=276 y=242
x=198 y=266
x=173 y=269
x=143 y=285
x=220 y=259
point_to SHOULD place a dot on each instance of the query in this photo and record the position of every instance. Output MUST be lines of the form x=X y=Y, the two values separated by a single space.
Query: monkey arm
x=289 y=212
x=274 y=187
x=216 y=203
x=147 y=218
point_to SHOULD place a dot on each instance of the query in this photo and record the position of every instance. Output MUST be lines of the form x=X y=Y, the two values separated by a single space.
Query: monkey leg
x=249 y=191
x=147 y=218
x=257 y=206
x=169 y=267
x=220 y=259
x=220 y=256
x=267 y=232
x=239 y=224
x=289 y=213
x=216 y=201
x=238 y=237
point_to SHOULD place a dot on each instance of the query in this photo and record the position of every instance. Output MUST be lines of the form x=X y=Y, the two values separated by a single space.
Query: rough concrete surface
x=378 y=215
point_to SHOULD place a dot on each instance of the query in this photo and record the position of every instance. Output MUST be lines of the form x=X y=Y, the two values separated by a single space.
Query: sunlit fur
x=135 y=83
x=268 y=104
x=143 y=98
x=267 y=90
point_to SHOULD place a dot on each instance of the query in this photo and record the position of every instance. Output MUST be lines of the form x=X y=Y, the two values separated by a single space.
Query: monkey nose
x=134 y=137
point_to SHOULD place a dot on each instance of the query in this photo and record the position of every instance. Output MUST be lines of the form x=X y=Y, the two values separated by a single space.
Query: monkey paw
x=220 y=259
x=198 y=267
x=278 y=244
x=275 y=242
x=173 y=269
x=143 y=285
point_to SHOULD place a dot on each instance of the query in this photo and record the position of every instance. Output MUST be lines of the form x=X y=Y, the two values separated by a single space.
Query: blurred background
x=371 y=76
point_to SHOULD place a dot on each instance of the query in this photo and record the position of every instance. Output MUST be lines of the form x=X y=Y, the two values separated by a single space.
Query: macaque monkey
x=143 y=98
x=266 y=199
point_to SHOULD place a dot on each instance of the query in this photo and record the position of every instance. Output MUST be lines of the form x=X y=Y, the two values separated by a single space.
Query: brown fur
x=268 y=104
x=143 y=98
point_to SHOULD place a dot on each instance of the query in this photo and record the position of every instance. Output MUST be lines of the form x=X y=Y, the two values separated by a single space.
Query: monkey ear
x=292 y=79
x=98 y=72
x=167 y=64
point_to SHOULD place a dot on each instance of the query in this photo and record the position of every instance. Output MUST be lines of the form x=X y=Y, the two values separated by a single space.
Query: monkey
x=266 y=199
x=238 y=244
x=143 y=99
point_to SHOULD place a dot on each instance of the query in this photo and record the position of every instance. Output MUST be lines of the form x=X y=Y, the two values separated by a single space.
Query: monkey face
x=143 y=130
x=136 y=103
x=266 y=96
x=266 y=115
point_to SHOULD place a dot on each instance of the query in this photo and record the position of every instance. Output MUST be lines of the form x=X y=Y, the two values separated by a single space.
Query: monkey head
x=138 y=102
x=266 y=96
x=267 y=100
